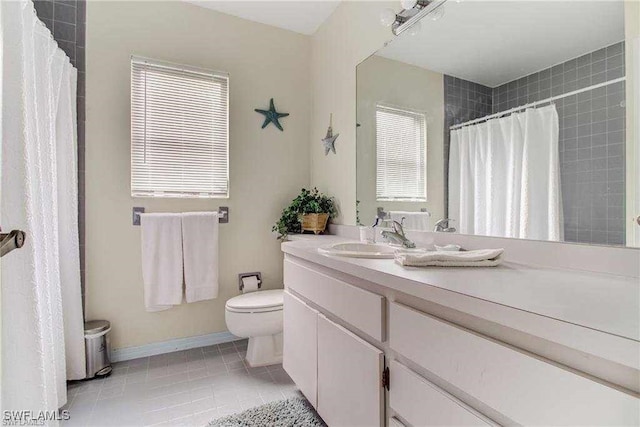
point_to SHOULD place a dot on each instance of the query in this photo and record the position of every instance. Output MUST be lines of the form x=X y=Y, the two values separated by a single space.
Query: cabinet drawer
x=521 y=388
x=422 y=403
x=360 y=308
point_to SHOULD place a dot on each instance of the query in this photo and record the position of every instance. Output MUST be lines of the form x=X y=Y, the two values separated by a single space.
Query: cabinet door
x=350 y=390
x=300 y=352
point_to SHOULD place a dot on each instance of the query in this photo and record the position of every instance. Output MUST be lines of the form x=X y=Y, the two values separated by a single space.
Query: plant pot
x=316 y=222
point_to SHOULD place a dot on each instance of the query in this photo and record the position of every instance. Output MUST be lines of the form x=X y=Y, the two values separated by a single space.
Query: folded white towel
x=161 y=260
x=475 y=258
x=413 y=220
x=200 y=242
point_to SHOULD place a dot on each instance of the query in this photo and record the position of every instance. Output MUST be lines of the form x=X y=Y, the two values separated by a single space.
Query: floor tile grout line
x=196 y=380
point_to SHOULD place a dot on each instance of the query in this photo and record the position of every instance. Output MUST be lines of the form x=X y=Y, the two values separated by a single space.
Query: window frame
x=407 y=112
x=176 y=67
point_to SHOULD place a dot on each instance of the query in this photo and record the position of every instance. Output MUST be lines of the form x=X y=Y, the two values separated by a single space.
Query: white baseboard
x=128 y=353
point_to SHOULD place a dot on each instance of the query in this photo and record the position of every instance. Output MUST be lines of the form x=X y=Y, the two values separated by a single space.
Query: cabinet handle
x=385 y=378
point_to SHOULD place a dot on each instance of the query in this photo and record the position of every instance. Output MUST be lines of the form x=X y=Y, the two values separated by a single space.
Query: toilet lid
x=259 y=300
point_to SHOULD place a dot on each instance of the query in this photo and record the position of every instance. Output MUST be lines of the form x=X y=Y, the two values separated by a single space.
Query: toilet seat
x=256 y=302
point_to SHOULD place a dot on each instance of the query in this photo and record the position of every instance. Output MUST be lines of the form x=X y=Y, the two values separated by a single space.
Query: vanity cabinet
x=339 y=373
x=300 y=346
x=350 y=389
x=357 y=307
x=422 y=403
x=515 y=387
x=364 y=359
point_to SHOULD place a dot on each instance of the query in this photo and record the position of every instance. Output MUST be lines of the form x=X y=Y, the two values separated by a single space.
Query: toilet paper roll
x=250 y=284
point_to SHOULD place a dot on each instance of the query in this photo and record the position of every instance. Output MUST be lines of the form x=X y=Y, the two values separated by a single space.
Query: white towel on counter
x=200 y=243
x=412 y=220
x=475 y=258
x=161 y=260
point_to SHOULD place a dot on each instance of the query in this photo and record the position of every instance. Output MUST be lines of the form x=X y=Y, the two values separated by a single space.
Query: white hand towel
x=200 y=243
x=412 y=220
x=161 y=260
x=475 y=258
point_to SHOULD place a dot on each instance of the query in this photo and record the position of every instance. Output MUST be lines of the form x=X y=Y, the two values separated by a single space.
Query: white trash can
x=97 y=348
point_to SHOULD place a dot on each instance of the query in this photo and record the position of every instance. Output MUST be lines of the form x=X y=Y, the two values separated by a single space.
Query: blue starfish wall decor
x=271 y=116
x=329 y=141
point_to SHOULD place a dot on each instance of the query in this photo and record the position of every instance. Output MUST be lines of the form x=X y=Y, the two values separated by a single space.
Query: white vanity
x=371 y=343
x=485 y=134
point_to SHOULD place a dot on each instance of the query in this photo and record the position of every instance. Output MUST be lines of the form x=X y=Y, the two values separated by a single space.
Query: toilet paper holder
x=243 y=275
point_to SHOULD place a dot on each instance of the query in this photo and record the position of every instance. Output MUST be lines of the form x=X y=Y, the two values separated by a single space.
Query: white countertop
x=605 y=303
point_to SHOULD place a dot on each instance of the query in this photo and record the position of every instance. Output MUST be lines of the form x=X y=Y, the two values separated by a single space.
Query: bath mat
x=291 y=412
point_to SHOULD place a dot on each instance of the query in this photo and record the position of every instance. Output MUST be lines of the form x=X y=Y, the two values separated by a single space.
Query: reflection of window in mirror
x=401 y=154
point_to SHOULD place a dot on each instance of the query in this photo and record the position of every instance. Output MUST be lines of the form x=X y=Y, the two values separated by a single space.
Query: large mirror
x=509 y=118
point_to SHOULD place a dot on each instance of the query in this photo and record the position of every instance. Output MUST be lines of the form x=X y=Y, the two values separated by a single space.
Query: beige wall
x=351 y=34
x=382 y=80
x=267 y=167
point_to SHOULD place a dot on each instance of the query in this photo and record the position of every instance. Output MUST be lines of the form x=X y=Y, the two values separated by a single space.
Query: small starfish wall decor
x=329 y=141
x=271 y=116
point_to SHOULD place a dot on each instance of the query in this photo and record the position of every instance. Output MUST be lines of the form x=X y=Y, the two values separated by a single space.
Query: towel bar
x=223 y=214
x=10 y=241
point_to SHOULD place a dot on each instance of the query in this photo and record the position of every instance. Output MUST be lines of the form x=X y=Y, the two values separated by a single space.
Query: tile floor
x=185 y=388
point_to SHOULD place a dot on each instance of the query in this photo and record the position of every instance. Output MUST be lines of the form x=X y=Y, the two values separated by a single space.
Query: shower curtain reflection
x=504 y=177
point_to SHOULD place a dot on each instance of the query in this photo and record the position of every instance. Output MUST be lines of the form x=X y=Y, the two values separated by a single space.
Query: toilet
x=258 y=316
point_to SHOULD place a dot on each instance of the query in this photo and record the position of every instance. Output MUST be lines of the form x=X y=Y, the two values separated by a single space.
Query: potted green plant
x=309 y=211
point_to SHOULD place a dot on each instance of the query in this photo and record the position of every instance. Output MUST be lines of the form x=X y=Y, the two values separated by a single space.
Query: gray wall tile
x=64 y=31
x=44 y=9
x=64 y=13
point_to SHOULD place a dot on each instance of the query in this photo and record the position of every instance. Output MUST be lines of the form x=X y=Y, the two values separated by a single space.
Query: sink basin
x=359 y=250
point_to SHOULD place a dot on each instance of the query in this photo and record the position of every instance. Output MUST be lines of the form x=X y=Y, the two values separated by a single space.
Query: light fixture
x=387 y=17
x=413 y=11
x=408 y=4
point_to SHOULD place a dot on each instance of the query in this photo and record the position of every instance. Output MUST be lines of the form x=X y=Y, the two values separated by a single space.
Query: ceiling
x=300 y=16
x=494 y=42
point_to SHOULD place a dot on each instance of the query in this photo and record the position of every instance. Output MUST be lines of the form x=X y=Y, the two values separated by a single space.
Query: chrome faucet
x=443 y=226
x=398 y=236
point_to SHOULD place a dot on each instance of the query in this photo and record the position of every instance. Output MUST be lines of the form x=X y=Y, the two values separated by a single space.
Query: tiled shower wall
x=591 y=140
x=66 y=20
x=464 y=101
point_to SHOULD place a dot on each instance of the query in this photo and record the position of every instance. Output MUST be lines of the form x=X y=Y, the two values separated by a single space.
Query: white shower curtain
x=504 y=177
x=42 y=322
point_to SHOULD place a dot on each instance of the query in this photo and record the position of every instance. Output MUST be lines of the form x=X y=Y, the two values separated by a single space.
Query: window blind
x=179 y=131
x=401 y=154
